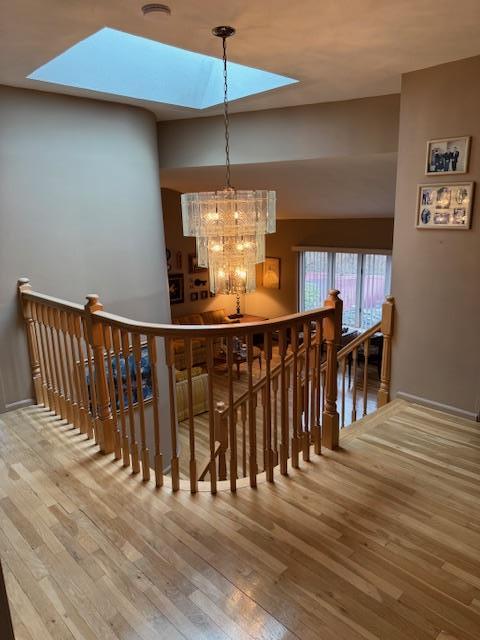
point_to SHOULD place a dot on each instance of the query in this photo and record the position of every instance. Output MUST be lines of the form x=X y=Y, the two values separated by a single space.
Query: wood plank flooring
x=380 y=540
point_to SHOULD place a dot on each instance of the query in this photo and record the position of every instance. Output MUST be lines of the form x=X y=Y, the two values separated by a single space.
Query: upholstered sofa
x=199 y=345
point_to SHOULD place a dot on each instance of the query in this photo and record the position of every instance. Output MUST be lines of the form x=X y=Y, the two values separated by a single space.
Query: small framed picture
x=271 y=273
x=193 y=296
x=175 y=287
x=204 y=294
x=445 y=206
x=447 y=156
x=193 y=264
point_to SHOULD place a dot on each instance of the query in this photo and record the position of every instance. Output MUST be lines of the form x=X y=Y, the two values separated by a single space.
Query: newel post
x=25 y=287
x=104 y=420
x=388 y=310
x=332 y=332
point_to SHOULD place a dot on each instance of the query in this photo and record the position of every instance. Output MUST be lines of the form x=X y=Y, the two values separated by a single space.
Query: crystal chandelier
x=229 y=225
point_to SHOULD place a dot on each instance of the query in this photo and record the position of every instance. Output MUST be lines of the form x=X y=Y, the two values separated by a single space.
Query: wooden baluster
x=252 y=419
x=117 y=349
x=191 y=418
x=46 y=384
x=243 y=417
x=61 y=365
x=41 y=356
x=158 y=459
x=113 y=392
x=342 y=405
x=388 y=309
x=295 y=407
x=91 y=388
x=313 y=386
x=170 y=360
x=275 y=419
x=72 y=406
x=300 y=399
x=231 y=417
x=61 y=409
x=53 y=381
x=354 y=388
x=332 y=329
x=104 y=423
x=145 y=454
x=25 y=287
x=284 y=435
x=64 y=364
x=211 y=415
x=86 y=413
x=324 y=377
x=317 y=435
x=366 y=349
x=306 y=394
x=78 y=403
x=264 y=429
x=268 y=406
x=135 y=461
x=221 y=434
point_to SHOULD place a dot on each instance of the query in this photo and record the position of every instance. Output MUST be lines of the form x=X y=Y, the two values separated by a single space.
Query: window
x=362 y=278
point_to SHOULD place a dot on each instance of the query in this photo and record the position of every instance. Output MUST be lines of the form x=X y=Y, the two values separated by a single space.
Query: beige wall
x=80 y=212
x=333 y=129
x=371 y=233
x=436 y=274
x=176 y=242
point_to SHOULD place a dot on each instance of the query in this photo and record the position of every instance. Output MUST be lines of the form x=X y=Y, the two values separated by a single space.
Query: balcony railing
x=201 y=428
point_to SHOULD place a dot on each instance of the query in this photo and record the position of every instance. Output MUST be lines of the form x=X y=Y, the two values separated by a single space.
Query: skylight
x=122 y=64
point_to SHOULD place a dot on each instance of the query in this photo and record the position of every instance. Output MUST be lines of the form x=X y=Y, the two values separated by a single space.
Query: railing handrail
x=183 y=330
x=54 y=303
x=211 y=330
x=90 y=367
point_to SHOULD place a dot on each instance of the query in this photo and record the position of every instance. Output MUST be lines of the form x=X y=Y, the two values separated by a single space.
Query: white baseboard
x=19 y=404
x=432 y=404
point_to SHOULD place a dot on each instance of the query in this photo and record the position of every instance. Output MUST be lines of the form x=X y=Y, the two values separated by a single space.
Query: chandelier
x=229 y=225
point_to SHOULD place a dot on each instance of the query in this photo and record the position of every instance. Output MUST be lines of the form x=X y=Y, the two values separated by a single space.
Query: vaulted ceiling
x=337 y=49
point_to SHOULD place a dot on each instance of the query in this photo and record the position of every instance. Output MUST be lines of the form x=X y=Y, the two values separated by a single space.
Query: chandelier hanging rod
x=225 y=32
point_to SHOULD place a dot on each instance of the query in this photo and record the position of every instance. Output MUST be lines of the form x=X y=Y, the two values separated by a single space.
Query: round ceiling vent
x=155 y=7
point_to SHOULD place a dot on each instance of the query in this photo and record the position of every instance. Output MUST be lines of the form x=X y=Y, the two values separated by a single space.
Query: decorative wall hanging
x=271 y=273
x=193 y=296
x=448 y=156
x=193 y=266
x=204 y=295
x=441 y=206
x=175 y=288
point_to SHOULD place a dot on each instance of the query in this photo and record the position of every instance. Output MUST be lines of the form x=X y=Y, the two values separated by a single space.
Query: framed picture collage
x=446 y=204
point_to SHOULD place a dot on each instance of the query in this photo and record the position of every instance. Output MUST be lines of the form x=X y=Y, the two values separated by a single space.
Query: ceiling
x=337 y=49
x=346 y=187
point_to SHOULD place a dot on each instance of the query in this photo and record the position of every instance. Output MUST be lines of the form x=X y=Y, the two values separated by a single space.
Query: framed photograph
x=193 y=296
x=193 y=264
x=175 y=287
x=445 y=206
x=447 y=156
x=271 y=273
x=203 y=294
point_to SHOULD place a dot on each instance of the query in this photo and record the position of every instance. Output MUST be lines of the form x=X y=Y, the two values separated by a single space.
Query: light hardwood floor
x=378 y=540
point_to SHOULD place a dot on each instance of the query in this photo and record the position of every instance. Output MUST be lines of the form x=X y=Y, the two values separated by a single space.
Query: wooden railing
x=116 y=381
